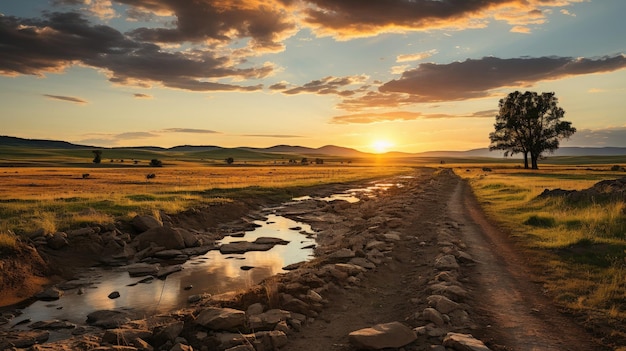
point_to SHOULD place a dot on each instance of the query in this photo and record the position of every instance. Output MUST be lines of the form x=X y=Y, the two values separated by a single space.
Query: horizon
x=413 y=77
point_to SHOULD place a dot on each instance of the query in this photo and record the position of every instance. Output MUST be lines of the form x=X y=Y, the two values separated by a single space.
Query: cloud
x=190 y=130
x=266 y=23
x=615 y=136
x=417 y=56
x=66 y=98
x=350 y=19
x=280 y=136
x=470 y=79
x=59 y=40
x=326 y=85
x=367 y=118
x=142 y=96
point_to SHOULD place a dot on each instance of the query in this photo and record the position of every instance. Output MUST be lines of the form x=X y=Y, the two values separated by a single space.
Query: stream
x=211 y=273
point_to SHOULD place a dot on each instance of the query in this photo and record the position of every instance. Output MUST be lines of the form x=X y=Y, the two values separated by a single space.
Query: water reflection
x=212 y=273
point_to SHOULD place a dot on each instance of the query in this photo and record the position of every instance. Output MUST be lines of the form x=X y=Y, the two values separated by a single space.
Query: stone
x=464 y=257
x=432 y=315
x=114 y=295
x=379 y=245
x=80 y=232
x=108 y=319
x=52 y=325
x=189 y=238
x=393 y=236
x=267 y=240
x=351 y=269
x=362 y=262
x=380 y=336
x=442 y=303
x=73 y=284
x=278 y=338
x=268 y=320
x=165 y=333
x=181 y=347
x=342 y=254
x=446 y=262
x=58 y=241
x=448 y=290
x=49 y=294
x=165 y=271
x=165 y=237
x=293 y=266
x=142 y=269
x=22 y=339
x=221 y=319
x=144 y=223
x=239 y=247
x=255 y=309
x=124 y=336
x=166 y=254
x=463 y=342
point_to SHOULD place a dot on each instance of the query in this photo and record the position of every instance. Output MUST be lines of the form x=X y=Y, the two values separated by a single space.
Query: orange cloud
x=367 y=118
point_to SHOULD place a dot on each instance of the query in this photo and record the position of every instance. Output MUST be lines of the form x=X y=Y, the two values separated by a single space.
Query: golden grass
x=8 y=241
x=33 y=198
x=580 y=247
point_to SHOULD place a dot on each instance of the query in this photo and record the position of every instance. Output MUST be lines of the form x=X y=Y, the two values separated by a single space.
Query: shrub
x=616 y=168
x=156 y=163
x=539 y=221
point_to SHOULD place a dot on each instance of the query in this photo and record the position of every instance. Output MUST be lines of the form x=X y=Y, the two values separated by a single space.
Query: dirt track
x=507 y=310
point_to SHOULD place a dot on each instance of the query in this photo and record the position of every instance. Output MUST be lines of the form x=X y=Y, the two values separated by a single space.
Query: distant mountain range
x=328 y=150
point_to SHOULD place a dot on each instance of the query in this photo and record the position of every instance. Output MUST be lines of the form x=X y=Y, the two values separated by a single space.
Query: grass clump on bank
x=579 y=244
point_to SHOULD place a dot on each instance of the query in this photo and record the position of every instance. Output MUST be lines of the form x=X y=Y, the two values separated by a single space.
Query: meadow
x=576 y=248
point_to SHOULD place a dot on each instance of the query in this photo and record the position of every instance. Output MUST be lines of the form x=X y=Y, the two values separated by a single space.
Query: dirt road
x=506 y=310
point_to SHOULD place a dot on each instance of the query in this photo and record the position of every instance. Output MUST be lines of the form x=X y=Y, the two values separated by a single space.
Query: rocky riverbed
x=391 y=272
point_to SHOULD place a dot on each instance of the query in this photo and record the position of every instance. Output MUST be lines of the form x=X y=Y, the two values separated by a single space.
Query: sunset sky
x=374 y=75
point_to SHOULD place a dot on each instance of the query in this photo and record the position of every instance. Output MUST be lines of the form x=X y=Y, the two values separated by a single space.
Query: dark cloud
x=353 y=18
x=66 y=98
x=142 y=96
x=191 y=130
x=366 y=118
x=267 y=23
x=324 y=86
x=431 y=82
x=37 y=46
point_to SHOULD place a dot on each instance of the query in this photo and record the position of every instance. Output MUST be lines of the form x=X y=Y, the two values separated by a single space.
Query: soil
x=507 y=307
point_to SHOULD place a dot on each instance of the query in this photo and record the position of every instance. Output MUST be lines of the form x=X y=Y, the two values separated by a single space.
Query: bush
x=156 y=163
x=538 y=221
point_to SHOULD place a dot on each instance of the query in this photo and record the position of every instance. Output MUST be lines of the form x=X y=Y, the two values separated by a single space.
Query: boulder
x=221 y=319
x=432 y=315
x=268 y=240
x=108 y=319
x=50 y=294
x=144 y=223
x=463 y=342
x=189 y=238
x=388 y=335
x=268 y=320
x=446 y=262
x=165 y=333
x=442 y=303
x=165 y=237
x=81 y=232
x=58 y=241
x=342 y=254
x=142 y=269
x=22 y=339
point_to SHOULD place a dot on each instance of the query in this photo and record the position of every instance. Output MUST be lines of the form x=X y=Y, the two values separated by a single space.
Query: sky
x=375 y=75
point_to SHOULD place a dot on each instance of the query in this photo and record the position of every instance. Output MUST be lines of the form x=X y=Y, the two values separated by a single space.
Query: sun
x=381 y=146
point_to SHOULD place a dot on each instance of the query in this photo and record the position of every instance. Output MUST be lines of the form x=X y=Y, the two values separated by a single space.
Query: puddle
x=211 y=273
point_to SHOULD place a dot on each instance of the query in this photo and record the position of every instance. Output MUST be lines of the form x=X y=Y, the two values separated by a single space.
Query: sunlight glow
x=381 y=146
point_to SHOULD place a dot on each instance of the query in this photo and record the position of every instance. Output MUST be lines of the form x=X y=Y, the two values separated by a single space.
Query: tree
x=97 y=156
x=229 y=160
x=530 y=124
x=155 y=162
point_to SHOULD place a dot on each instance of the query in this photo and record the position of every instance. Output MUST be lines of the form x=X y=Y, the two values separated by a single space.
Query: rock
x=342 y=254
x=107 y=319
x=267 y=240
x=297 y=305
x=166 y=254
x=446 y=262
x=50 y=294
x=165 y=237
x=255 y=309
x=363 y=262
x=268 y=320
x=464 y=257
x=432 y=315
x=80 y=232
x=442 y=303
x=239 y=247
x=73 y=284
x=181 y=347
x=278 y=338
x=144 y=223
x=388 y=335
x=379 y=245
x=463 y=342
x=293 y=266
x=221 y=319
x=52 y=325
x=124 y=336
x=393 y=236
x=194 y=298
x=58 y=241
x=114 y=295
x=22 y=339
x=170 y=332
x=450 y=291
x=142 y=269
x=189 y=238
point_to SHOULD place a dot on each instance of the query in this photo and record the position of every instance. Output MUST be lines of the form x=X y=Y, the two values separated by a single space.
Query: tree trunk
x=525 y=160
x=533 y=159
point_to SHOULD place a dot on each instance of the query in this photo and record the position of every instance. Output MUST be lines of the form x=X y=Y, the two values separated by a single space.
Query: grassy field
x=61 y=198
x=578 y=248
